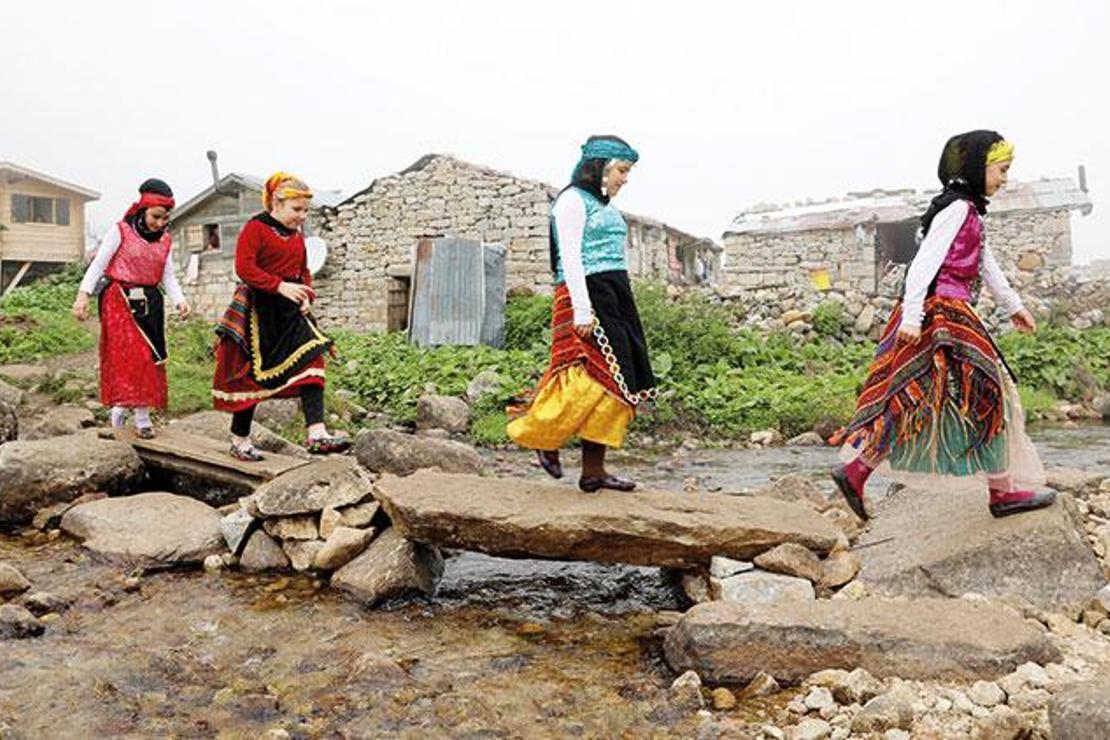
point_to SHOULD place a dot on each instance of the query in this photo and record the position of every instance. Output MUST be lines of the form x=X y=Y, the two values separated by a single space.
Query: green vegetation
x=717 y=378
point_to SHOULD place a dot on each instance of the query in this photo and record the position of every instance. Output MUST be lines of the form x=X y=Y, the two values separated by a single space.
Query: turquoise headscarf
x=605 y=148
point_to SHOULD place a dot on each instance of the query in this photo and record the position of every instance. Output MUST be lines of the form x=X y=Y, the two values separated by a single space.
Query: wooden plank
x=209 y=473
x=208 y=454
x=18 y=276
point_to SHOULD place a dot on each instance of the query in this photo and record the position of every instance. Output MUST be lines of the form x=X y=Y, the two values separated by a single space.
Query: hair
x=156 y=186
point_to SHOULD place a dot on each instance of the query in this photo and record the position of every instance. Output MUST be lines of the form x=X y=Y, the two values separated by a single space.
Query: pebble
x=723 y=698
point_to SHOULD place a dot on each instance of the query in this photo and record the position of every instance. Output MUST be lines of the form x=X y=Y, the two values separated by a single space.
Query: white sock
x=242 y=443
x=142 y=417
x=117 y=416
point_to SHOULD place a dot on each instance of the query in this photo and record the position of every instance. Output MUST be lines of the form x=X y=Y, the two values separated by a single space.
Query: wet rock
x=12 y=582
x=526 y=518
x=44 y=602
x=34 y=475
x=341 y=547
x=806 y=439
x=332 y=482
x=213 y=564
x=483 y=384
x=391 y=566
x=217 y=425
x=758 y=587
x=55 y=422
x=927 y=638
x=892 y=710
x=387 y=451
x=262 y=553
x=235 y=527
x=944 y=541
x=848 y=687
x=377 y=669
x=721 y=567
x=763 y=684
x=1081 y=711
x=686 y=691
x=302 y=553
x=17 y=622
x=809 y=729
x=442 y=412
x=792 y=560
x=147 y=528
x=840 y=567
x=300 y=527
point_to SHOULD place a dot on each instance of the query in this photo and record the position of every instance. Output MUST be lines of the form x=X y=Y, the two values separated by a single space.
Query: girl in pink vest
x=133 y=259
x=939 y=399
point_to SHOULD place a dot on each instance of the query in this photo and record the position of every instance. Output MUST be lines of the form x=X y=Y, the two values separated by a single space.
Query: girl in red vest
x=269 y=345
x=133 y=259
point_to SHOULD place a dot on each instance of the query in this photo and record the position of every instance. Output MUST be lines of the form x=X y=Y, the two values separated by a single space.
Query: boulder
x=147 y=528
x=391 y=566
x=387 y=451
x=36 y=474
x=1081 y=711
x=17 y=622
x=262 y=552
x=10 y=395
x=302 y=553
x=758 y=587
x=341 y=547
x=217 y=425
x=442 y=412
x=1079 y=483
x=56 y=422
x=792 y=560
x=920 y=639
x=330 y=482
x=943 y=541
x=806 y=439
x=235 y=527
x=24 y=375
x=12 y=582
x=51 y=516
x=482 y=385
x=518 y=518
x=9 y=419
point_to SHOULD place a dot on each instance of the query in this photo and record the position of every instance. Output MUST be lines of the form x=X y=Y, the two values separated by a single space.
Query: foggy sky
x=730 y=104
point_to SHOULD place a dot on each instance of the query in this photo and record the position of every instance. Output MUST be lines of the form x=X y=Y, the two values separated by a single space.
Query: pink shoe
x=1004 y=503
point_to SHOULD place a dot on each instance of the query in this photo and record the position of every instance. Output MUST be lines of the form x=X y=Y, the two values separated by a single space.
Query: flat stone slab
x=147 y=528
x=1081 y=711
x=944 y=542
x=919 y=639
x=520 y=518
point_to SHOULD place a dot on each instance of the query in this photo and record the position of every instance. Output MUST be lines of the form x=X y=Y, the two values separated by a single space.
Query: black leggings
x=312 y=404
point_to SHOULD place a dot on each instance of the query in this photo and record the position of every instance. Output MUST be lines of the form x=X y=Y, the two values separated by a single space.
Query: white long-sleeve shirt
x=569 y=212
x=930 y=256
x=108 y=247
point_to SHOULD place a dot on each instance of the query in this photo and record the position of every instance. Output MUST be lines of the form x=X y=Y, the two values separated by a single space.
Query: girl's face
x=156 y=218
x=291 y=212
x=997 y=175
x=616 y=175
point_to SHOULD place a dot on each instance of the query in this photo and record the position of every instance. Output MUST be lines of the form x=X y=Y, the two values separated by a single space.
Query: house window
x=211 y=237
x=896 y=243
x=33 y=209
x=229 y=236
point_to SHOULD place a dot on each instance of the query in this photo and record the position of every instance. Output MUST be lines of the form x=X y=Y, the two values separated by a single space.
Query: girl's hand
x=299 y=294
x=306 y=306
x=81 y=306
x=1024 y=322
x=584 y=330
x=184 y=309
x=908 y=334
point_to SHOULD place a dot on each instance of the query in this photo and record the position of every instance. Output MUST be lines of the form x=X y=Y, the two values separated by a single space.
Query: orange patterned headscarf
x=282 y=186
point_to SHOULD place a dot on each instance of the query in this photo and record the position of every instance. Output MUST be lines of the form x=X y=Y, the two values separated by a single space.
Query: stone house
x=788 y=259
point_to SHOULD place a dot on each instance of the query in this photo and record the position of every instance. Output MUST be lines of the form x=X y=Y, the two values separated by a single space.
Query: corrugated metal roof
x=895 y=205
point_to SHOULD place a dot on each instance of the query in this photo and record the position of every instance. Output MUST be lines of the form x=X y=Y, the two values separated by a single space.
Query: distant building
x=42 y=223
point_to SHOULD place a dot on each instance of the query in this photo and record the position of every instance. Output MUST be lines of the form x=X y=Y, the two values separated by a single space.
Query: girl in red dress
x=269 y=345
x=133 y=259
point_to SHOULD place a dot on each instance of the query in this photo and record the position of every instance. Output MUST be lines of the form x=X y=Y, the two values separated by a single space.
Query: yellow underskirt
x=572 y=404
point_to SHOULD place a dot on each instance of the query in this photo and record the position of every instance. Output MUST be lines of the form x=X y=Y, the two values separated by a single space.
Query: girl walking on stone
x=269 y=345
x=599 y=370
x=133 y=259
x=939 y=399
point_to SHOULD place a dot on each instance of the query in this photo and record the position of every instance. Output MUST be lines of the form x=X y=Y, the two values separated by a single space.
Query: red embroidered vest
x=137 y=261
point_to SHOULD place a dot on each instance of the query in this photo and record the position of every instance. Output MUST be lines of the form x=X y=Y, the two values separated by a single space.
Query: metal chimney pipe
x=211 y=154
x=1083 y=178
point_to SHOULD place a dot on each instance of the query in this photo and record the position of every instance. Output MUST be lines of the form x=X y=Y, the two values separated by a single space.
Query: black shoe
x=549 y=461
x=854 y=498
x=1037 y=501
x=593 y=483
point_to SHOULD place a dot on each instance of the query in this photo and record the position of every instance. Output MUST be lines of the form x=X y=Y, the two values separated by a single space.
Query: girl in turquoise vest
x=599 y=371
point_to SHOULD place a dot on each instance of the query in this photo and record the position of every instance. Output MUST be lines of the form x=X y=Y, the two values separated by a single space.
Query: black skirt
x=283 y=340
x=613 y=303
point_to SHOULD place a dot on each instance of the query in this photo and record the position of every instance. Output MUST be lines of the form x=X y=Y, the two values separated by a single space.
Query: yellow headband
x=274 y=190
x=1000 y=151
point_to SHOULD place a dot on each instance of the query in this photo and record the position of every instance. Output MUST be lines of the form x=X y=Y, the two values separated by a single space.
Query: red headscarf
x=152 y=193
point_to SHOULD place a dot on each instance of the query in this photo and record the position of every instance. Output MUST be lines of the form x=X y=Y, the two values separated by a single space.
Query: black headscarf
x=136 y=216
x=588 y=176
x=962 y=173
